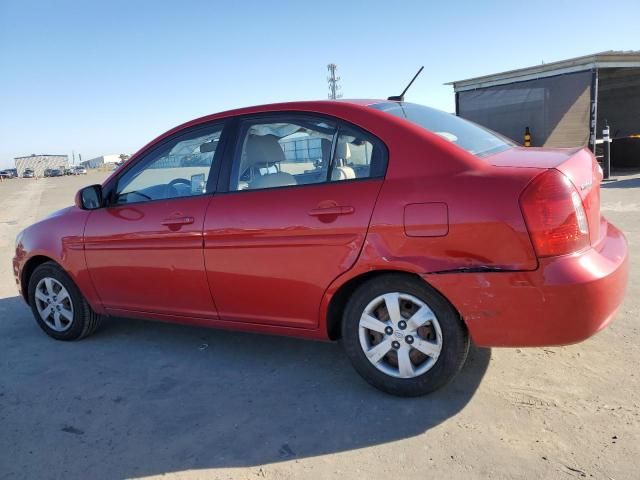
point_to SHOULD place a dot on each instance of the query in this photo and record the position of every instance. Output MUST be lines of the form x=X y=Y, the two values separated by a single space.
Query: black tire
x=455 y=339
x=84 y=322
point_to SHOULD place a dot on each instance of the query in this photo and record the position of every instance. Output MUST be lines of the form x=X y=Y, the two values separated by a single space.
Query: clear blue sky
x=103 y=77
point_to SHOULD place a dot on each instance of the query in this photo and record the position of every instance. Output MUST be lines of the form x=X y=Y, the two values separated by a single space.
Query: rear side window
x=475 y=139
x=283 y=153
x=291 y=150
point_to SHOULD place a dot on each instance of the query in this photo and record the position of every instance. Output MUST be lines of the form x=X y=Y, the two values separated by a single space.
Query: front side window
x=179 y=168
x=475 y=139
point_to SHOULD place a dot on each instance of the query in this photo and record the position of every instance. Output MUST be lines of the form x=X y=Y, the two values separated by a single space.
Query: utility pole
x=332 y=79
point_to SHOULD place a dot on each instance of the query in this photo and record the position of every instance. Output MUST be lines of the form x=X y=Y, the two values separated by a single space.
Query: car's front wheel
x=402 y=336
x=58 y=306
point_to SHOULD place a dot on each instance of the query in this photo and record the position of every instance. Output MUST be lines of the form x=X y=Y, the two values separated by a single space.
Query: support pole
x=593 y=121
x=606 y=144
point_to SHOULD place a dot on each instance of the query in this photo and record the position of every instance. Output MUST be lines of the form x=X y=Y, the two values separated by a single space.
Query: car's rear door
x=144 y=249
x=300 y=194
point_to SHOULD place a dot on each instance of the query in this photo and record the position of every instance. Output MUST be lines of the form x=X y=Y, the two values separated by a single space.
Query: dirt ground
x=144 y=399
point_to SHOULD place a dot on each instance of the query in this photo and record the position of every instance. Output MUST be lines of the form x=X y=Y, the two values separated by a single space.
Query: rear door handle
x=337 y=210
x=177 y=221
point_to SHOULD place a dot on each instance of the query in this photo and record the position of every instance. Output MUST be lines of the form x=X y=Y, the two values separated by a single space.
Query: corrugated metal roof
x=40 y=155
x=609 y=59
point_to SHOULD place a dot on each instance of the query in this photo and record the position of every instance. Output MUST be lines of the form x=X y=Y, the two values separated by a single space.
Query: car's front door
x=144 y=248
x=301 y=191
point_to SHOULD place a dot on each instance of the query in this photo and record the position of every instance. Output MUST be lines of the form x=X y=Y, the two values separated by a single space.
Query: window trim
x=235 y=147
x=146 y=157
x=332 y=155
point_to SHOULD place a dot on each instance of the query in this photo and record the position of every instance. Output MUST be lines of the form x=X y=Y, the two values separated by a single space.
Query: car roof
x=308 y=105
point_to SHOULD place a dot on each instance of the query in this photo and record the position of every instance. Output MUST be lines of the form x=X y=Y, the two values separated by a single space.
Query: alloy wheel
x=400 y=335
x=54 y=304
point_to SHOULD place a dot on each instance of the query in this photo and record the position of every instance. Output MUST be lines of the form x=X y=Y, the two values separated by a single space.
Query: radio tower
x=334 y=86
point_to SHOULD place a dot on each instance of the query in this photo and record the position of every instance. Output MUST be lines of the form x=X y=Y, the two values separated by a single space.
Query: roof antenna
x=400 y=98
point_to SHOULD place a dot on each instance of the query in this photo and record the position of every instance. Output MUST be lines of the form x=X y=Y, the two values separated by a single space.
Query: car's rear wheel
x=58 y=306
x=402 y=336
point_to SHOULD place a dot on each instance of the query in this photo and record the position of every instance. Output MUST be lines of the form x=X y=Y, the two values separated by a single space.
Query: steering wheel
x=176 y=181
x=132 y=192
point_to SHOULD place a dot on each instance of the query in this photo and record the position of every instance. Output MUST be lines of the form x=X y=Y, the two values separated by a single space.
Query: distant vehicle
x=28 y=173
x=80 y=171
x=56 y=172
x=47 y=172
x=69 y=171
x=9 y=173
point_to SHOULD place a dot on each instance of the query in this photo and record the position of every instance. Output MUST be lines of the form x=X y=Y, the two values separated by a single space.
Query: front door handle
x=173 y=221
x=335 y=210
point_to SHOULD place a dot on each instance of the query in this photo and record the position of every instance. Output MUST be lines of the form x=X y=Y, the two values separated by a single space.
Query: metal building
x=101 y=161
x=564 y=104
x=39 y=163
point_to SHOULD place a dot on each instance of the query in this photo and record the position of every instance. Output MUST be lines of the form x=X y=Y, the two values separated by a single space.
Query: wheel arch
x=28 y=269
x=342 y=295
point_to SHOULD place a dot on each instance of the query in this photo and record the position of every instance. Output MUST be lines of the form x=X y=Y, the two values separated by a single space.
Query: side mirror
x=89 y=198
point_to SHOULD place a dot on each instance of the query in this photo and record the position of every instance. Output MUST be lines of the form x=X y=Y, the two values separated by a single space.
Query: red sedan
x=404 y=231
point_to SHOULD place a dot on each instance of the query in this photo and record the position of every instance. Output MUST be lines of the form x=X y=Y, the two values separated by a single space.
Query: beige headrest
x=263 y=150
x=343 y=151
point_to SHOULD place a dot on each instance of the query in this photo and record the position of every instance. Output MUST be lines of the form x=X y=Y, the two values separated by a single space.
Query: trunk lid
x=578 y=164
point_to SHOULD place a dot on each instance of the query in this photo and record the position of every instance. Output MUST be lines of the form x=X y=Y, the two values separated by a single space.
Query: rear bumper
x=566 y=300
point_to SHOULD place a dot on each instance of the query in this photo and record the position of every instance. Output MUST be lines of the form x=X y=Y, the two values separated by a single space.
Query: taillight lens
x=554 y=214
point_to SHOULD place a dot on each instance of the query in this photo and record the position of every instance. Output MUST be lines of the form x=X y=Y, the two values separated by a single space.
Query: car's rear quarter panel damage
x=566 y=300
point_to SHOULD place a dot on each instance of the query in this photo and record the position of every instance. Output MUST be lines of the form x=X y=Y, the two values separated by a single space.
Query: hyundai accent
x=401 y=230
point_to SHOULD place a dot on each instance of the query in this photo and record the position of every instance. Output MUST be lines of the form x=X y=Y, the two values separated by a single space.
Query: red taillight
x=555 y=217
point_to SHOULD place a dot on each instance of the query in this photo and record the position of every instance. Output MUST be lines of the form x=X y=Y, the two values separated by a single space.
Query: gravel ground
x=142 y=399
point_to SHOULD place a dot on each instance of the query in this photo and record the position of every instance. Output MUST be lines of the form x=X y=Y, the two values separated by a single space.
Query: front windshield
x=475 y=139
